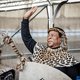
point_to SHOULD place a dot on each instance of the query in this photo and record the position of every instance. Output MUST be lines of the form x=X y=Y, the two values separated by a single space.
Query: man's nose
x=49 y=37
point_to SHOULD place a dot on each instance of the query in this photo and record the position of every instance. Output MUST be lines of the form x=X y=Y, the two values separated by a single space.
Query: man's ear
x=60 y=40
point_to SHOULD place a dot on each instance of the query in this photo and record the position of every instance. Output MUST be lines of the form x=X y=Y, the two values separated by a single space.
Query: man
x=55 y=53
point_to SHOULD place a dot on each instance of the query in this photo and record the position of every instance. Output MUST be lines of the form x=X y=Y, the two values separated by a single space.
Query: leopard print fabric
x=58 y=57
x=53 y=57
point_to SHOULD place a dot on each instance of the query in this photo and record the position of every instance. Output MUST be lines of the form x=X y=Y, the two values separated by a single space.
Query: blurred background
x=11 y=15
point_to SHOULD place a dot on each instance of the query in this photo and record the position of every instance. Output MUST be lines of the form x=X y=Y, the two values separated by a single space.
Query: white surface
x=36 y=71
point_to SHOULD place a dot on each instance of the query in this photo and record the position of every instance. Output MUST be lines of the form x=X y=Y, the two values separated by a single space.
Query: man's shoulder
x=40 y=46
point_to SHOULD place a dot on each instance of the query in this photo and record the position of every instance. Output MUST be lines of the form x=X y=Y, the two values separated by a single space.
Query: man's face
x=53 y=39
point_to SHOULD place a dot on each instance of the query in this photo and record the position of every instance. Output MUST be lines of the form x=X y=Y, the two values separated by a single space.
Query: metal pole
x=50 y=15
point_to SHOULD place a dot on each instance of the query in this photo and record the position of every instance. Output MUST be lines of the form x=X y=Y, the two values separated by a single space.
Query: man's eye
x=52 y=35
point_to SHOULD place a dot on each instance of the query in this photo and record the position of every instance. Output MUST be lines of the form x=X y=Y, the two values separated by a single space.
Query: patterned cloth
x=42 y=54
x=58 y=57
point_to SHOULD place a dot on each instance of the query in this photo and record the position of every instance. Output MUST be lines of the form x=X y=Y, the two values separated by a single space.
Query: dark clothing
x=27 y=38
x=71 y=71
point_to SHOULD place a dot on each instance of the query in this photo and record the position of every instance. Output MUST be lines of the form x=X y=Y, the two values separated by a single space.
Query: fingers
x=7 y=40
x=29 y=13
x=34 y=9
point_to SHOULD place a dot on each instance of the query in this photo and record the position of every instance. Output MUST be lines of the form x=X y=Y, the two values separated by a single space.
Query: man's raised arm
x=25 y=32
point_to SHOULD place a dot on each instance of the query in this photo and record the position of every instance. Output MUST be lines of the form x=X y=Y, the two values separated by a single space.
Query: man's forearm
x=26 y=37
x=25 y=32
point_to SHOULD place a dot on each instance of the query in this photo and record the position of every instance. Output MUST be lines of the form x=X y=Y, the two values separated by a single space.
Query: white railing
x=8 y=5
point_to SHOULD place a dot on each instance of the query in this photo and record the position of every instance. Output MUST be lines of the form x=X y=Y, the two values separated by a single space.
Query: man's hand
x=29 y=13
x=7 y=40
